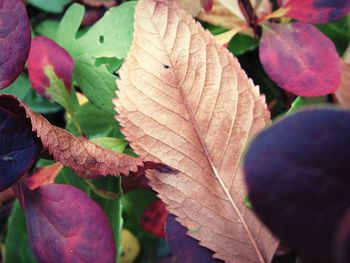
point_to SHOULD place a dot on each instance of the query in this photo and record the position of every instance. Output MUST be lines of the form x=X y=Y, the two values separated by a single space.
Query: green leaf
x=67 y=176
x=53 y=6
x=47 y=28
x=96 y=82
x=20 y=88
x=112 y=208
x=39 y=104
x=134 y=203
x=301 y=102
x=114 y=144
x=94 y=123
x=17 y=244
x=110 y=37
x=241 y=43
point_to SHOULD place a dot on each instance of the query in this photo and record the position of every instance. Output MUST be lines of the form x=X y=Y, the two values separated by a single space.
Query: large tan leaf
x=185 y=101
x=343 y=92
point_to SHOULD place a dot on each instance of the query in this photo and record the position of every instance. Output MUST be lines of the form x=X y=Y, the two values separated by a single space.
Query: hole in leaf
x=101 y=39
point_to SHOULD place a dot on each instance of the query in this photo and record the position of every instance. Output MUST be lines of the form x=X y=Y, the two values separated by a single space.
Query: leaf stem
x=249 y=15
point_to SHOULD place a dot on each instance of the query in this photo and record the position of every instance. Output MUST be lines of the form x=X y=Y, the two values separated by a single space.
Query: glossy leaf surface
x=298 y=178
x=300 y=59
x=66 y=230
x=15 y=28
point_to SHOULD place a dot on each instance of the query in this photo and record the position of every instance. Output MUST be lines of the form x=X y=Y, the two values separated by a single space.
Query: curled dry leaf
x=84 y=157
x=15 y=28
x=185 y=101
x=343 y=92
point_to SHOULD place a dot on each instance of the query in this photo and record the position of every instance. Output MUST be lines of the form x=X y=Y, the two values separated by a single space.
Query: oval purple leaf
x=300 y=59
x=185 y=248
x=15 y=40
x=342 y=240
x=19 y=146
x=66 y=226
x=45 y=53
x=298 y=179
x=316 y=11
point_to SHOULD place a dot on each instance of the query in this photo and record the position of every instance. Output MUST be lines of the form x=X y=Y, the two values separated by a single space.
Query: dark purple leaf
x=19 y=146
x=342 y=240
x=297 y=173
x=185 y=248
x=66 y=226
x=316 y=11
x=14 y=40
x=300 y=59
x=45 y=53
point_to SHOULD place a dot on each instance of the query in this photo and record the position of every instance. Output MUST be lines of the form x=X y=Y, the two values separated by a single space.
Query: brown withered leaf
x=184 y=100
x=343 y=92
x=84 y=157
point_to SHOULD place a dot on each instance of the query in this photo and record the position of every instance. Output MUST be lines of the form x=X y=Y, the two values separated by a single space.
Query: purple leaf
x=19 y=146
x=316 y=11
x=45 y=53
x=14 y=40
x=66 y=226
x=185 y=248
x=298 y=179
x=342 y=240
x=300 y=59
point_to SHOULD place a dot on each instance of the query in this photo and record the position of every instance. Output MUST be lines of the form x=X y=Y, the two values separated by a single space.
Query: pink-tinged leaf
x=316 y=11
x=43 y=176
x=66 y=226
x=15 y=39
x=300 y=59
x=45 y=53
x=207 y=4
x=153 y=218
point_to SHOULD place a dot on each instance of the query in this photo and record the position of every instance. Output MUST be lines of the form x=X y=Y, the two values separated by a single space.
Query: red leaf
x=45 y=53
x=15 y=40
x=43 y=176
x=154 y=217
x=66 y=226
x=316 y=11
x=300 y=59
